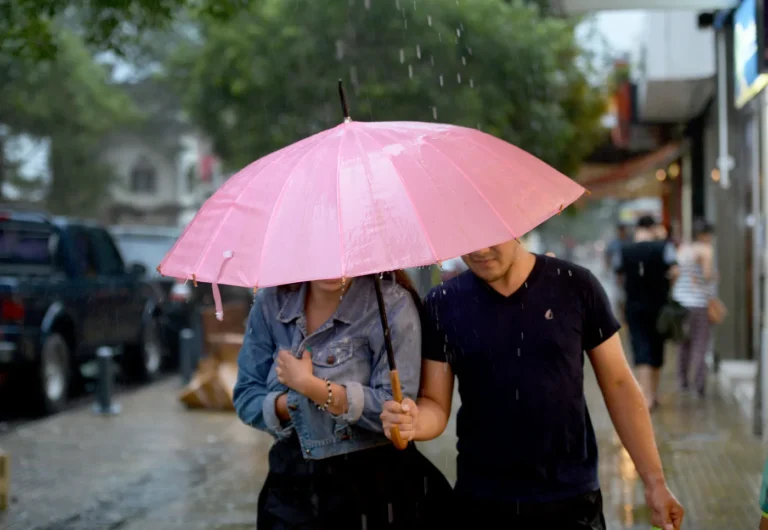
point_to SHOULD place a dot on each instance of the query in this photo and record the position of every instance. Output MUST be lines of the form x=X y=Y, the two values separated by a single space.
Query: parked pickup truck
x=64 y=292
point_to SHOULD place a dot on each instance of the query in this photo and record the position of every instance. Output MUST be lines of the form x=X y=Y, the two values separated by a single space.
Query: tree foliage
x=69 y=101
x=29 y=27
x=268 y=77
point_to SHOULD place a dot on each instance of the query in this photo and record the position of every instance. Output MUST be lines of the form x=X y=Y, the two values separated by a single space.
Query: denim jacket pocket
x=337 y=353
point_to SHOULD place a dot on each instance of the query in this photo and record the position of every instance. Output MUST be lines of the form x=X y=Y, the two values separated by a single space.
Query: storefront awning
x=633 y=178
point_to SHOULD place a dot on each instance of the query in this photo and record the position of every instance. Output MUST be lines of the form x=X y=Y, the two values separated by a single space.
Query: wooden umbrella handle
x=397 y=393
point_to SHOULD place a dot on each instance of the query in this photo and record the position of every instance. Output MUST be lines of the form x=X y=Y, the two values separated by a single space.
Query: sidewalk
x=157 y=466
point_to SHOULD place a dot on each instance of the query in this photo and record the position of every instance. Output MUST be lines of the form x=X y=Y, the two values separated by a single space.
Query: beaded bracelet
x=327 y=403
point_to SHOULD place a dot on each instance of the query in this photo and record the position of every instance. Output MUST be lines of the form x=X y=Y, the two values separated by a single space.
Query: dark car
x=64 y=292
x=180 y=301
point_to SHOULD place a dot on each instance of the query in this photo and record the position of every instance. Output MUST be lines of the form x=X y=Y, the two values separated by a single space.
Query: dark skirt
x=378 y=488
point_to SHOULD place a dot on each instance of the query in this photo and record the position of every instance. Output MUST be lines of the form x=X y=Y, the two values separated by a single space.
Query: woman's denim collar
x=354 y=303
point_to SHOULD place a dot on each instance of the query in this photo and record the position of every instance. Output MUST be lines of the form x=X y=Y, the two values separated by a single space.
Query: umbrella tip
x=344 y=105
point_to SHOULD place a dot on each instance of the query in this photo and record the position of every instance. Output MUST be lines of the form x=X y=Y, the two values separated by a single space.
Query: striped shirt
x=691 y=289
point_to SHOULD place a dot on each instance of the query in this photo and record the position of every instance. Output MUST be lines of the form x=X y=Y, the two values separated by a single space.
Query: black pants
x=584 y=512
x=379 y=488
x=647 y=342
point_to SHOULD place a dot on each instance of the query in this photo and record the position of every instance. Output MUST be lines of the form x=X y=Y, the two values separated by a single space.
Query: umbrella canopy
x=367 y=197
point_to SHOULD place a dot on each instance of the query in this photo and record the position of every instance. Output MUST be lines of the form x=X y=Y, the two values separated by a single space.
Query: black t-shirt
x=645 y=266
x=523 y=427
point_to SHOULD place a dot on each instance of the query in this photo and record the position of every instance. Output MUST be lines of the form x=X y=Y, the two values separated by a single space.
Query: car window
x=107 y=257
x=148 y=250
x=84 y=254
x=24 y=243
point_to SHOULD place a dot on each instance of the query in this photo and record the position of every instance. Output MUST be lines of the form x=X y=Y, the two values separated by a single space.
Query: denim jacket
x=348 y=350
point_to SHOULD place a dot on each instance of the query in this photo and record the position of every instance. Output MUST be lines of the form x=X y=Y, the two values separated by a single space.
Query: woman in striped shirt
x=693 y=289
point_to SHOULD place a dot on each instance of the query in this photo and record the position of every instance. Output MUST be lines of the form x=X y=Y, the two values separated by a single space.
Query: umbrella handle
x=397 y=394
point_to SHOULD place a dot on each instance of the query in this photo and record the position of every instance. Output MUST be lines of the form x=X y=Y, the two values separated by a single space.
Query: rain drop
x=549 y=315
x=363 y=522
x=418 y=51
x=558 y=272
x=402 y=56
x=472 y=84
x=429 y=20
x=517 y=394
x=440 y=37
x=434 y=112
x=367 y=4
x=458 y=78
x=432 y=60
x=463 y=60
x=405 y=23
x=397 y=5
x=526 y=285
x=570 y=273
x=445 y=292
x=642 y=269
x=389 y=513
x=522 y=336
x=518 y=352
x=458 y=32
x=410 y=71
x=601 y=332
x=469 y=50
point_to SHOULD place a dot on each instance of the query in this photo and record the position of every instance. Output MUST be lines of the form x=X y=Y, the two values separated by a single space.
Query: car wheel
x=53 y=375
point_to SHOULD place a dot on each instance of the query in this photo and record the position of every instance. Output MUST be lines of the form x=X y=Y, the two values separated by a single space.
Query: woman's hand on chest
x=295 y=373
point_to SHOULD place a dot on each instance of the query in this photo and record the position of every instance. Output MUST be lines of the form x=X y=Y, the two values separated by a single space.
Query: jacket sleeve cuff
x=355 y=403
x=272 y=421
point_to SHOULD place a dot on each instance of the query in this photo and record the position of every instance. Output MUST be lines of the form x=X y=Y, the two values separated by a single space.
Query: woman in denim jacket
x=313 y=373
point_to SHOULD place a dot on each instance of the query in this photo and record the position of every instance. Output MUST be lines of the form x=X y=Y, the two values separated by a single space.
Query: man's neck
x=644 y=235
x=517 y=274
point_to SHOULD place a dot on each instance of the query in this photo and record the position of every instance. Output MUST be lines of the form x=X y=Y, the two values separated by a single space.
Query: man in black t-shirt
x=515 y=330
x=646 y=267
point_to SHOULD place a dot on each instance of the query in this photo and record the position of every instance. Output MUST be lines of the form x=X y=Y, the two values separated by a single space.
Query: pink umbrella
x=363 y=198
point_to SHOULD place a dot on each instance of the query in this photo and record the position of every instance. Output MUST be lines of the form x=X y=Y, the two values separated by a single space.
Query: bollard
x=187 y=355
x=5 y=480
x=104 y=405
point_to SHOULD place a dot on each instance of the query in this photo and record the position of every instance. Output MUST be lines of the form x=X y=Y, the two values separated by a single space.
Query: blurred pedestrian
x=515 y=329
x=694 y=288
x=646 y=267
x=313 y=373
x=612 y=251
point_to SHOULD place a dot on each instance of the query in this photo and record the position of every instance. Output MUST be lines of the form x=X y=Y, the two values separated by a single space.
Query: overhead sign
x=749 y=51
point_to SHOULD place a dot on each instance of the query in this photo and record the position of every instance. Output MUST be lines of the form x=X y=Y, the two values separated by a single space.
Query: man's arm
x=435 y=400
x=427 y=418
x=627 y=408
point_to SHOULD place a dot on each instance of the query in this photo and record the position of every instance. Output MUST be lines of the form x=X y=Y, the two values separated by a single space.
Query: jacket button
x=331 y=359
x=307 y=451
x=293 y=407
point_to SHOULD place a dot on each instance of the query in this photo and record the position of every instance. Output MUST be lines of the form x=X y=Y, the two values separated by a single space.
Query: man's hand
x=666 y=512
x=403 y=416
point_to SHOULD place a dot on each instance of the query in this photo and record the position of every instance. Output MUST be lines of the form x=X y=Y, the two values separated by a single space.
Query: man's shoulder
x=451 y=290
x=570 y=273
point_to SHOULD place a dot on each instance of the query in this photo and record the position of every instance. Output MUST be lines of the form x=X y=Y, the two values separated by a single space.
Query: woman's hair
x=702 y=227
x=403 y=280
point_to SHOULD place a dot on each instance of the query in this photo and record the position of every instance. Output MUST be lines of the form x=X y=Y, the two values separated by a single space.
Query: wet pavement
x=159 y=466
